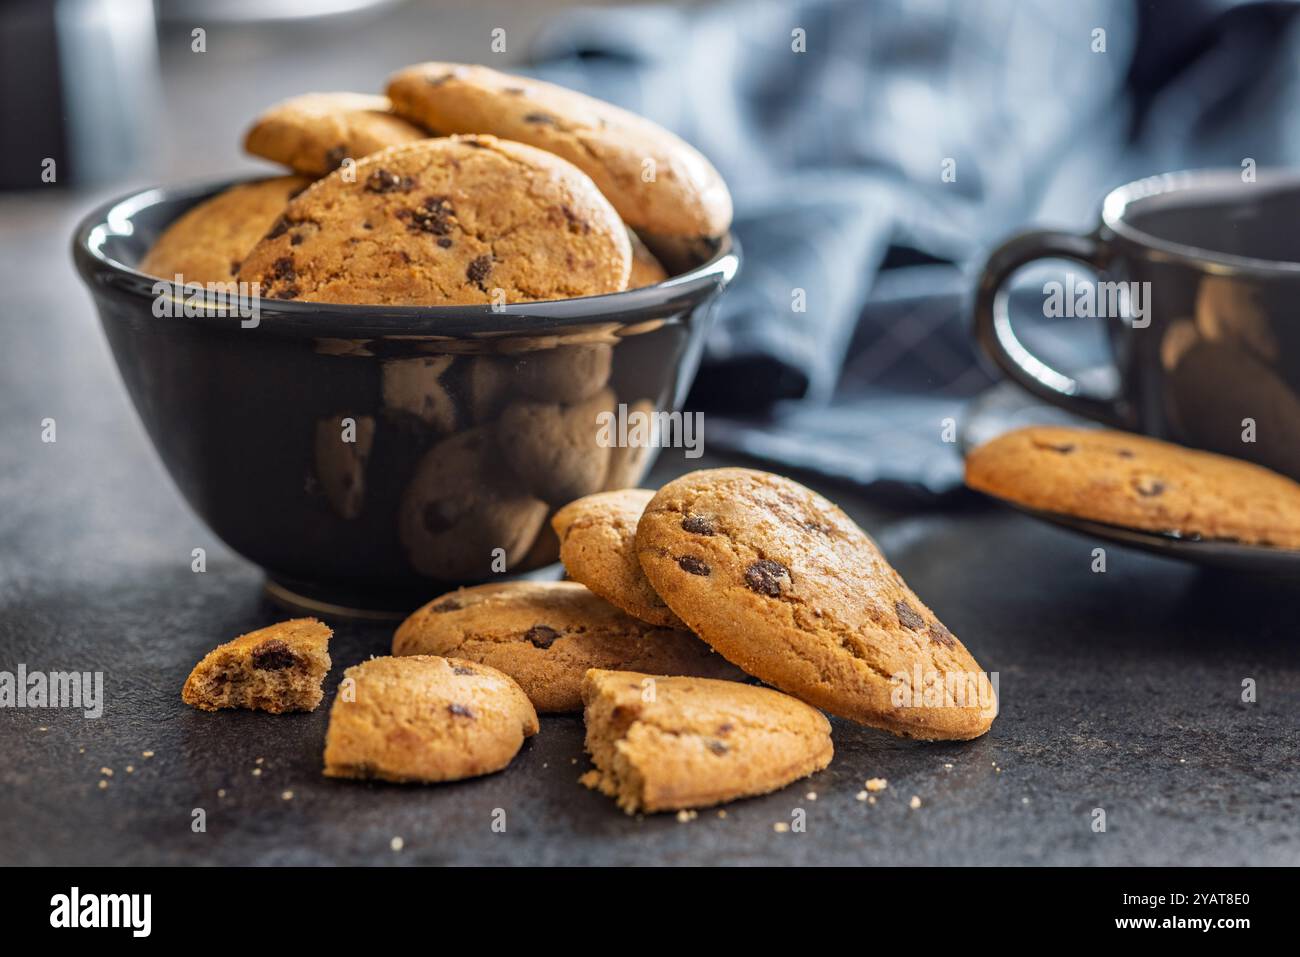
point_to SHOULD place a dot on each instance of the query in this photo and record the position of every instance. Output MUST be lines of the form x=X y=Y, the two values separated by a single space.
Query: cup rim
x=101 y=272
x=1119 y=201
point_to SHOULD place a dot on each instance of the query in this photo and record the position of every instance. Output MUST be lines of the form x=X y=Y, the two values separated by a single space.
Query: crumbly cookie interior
x=270 y=677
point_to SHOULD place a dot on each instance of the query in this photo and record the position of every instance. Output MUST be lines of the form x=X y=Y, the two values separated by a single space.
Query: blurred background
x=876 y=149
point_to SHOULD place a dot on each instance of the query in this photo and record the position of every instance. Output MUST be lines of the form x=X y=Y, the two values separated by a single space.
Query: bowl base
x=331 y=601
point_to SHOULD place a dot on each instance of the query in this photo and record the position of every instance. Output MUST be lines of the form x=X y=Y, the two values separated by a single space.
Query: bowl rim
x=104 y=274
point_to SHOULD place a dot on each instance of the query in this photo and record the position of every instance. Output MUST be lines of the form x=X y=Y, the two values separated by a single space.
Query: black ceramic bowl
x=372 y=457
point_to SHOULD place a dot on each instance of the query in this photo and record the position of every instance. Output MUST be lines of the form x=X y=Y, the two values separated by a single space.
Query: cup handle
x=996 y=337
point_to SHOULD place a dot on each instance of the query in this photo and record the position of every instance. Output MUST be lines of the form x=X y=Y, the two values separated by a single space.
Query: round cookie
x=598 y=548
x=209 y=242
x=277 y=669
x=785 y=585
x=425 y=718
x=445 y=221
x=563 y=374
x=341 y=464
x=314 y=133
x=656 y=181
x=546 y=635
x=555 y=448
x=1138 y=482
x=461 y=505
x=664 y=744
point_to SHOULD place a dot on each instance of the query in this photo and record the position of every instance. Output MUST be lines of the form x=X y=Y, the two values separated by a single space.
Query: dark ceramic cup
x=369 y=458
x=1203 y=269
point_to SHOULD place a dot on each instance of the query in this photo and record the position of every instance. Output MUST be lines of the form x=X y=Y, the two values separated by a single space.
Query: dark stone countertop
x=1119 y=691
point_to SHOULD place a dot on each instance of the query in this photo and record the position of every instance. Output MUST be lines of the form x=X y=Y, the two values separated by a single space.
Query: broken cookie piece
x=664 y=744
x=425 y=718
x=275 y=669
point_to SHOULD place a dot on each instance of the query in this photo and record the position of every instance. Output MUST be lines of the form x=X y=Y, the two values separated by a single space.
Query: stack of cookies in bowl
x=680 y=602
x=462 y=185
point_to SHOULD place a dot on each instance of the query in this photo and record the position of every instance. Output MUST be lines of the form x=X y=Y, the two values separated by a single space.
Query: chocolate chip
x=334 y=158
x=1148 y=487
x=383 y=181
x=462 y=670
x=718 y=747
x=278 y=228
x=234 y=267
x=694 y=566
x=1065 y=448
x=461 y=711
x=282 y=268
x=576 y=223
x=273 y=655
x=941 y=635
x=699 y=525
x=295 y=239
x=445 y=243
x=725 y=728
x=478 y=270
x=908 y=617
x=473 y=142
x=767 y=577
x=434 y=216
x=288 y=292
x=446 y=605
x=541 y=636
x=516 y=91
x=1125 y=453
x=545 y=118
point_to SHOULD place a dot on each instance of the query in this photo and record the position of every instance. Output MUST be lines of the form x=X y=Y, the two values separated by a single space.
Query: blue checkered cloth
x=836 y=157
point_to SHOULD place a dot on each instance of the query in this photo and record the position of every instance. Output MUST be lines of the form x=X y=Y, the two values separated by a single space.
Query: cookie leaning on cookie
x=598 y=548
x=445 y=221
x=784 y=584
x=314 y=133
x=546 y=635
x=658 y=183
x=1138 y=482
x=663 y=744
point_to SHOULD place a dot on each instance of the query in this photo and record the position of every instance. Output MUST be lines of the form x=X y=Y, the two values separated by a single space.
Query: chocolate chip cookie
x=209 y=242
x=646 y=269
x=425 y=718
x=546 y=635
x=658 y=183
x=314 y=133
x=786 y=586
x=275 y=669
x=1138 y=482
x=598 y=548
x=445 y=221
x=664 y=744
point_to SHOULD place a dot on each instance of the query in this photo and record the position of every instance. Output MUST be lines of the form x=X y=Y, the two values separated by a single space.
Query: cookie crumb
x=860 y=796
x=130 y=769
x=871 y=800
x=810 y=796
x=103 y=785
x=257 y=772
x=914 y=803
x=221 y=792
x=107 y=772
x=259 y=760
x=286 y=795
x=146 y=754
x=948 y=766
x=722 y=814
x=396 y=844
x=876 y=784
x=42 y=728
x=780 y=827
x=685 y=817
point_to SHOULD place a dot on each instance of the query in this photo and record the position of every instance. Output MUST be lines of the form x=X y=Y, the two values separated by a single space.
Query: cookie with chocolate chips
x=785 y=585
x=314 y=133
x=209 y=243
x=659 y=183
x=665 y=744
x=1138 y=482
x=598 y=548
x=464 y=220
x=546 y=635
x=425 y=719
x=277 y=669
